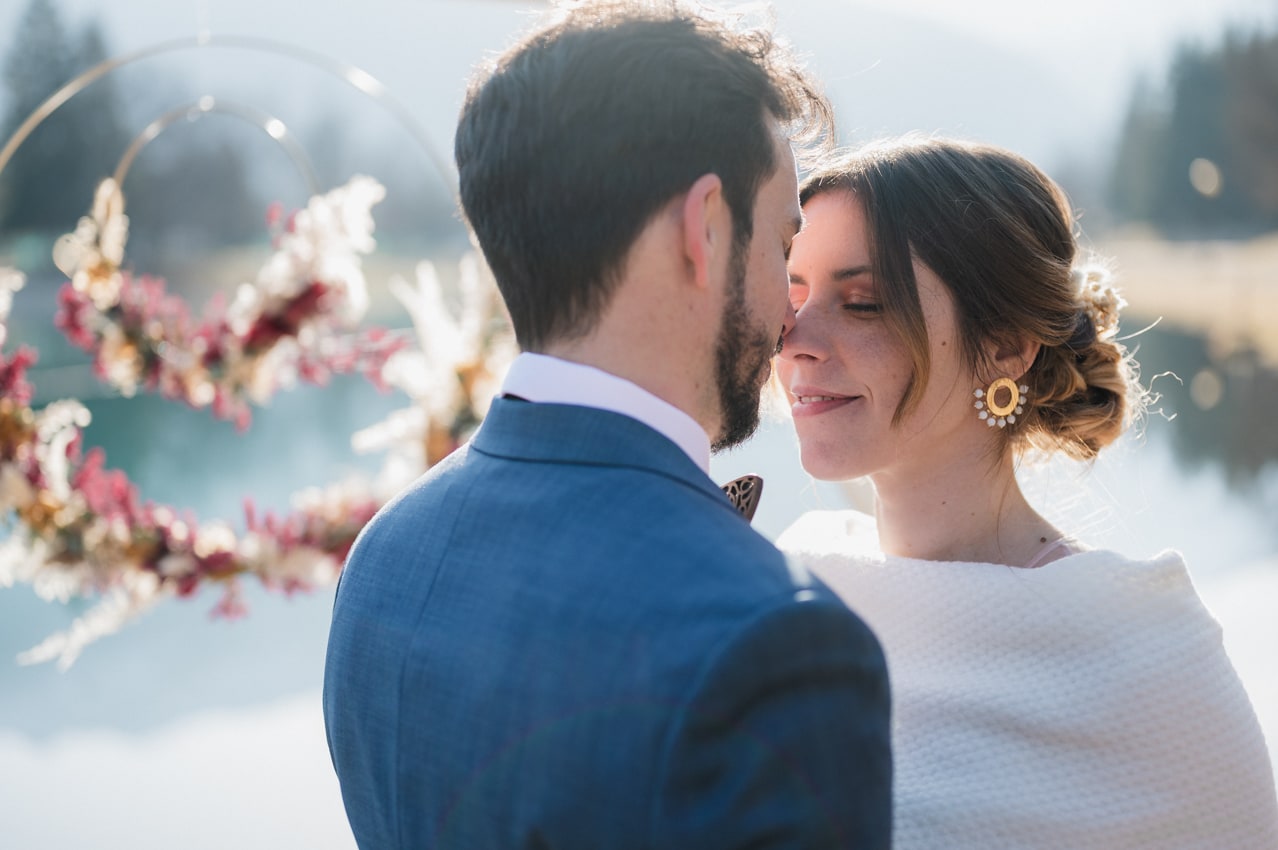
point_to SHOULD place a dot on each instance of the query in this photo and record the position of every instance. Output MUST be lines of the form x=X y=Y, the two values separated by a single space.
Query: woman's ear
x=1012 y=358
x=704 y=218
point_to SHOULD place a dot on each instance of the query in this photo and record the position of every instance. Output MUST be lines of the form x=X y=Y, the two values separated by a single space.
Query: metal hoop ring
x=1002 y=409
x=264 y=121
x=358 y=78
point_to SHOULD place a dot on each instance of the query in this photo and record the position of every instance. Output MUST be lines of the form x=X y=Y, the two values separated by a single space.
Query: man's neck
x=546 y=379
x=654 y=369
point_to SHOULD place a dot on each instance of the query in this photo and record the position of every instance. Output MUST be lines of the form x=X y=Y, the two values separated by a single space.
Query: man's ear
x=705 y=216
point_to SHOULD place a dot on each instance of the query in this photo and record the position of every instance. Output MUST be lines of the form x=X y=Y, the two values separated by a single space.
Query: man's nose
x=802 y=339
x=787 y=324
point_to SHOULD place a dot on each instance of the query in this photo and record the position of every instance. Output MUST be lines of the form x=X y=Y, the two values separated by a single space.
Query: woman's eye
x=866 y=307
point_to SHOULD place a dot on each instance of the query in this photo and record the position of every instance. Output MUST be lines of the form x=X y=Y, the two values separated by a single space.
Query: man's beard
x=741 y=356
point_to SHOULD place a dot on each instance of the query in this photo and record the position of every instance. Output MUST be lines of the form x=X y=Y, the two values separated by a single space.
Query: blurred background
x=1160 y=118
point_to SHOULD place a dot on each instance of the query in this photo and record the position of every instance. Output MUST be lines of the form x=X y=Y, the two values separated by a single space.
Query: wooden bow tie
x=744 y=493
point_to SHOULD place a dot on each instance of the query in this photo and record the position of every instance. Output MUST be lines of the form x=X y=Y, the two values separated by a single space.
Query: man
x=564 y=636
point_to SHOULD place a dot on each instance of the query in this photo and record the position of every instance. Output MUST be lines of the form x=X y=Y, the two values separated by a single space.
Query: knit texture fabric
x=1088 y=703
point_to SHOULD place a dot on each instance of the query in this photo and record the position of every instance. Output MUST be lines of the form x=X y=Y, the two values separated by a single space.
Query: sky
x=1125 y=34
x=1048 y=79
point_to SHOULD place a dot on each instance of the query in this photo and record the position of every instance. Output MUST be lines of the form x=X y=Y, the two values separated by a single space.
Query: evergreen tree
x=1195 y=130
x=39 y=61
x=1251 y=116
x=1222 y=108
x=50 y=180
x=95 y=115
x=1139 y=161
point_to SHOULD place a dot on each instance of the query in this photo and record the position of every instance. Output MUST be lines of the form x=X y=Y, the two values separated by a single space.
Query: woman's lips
x=812 y=402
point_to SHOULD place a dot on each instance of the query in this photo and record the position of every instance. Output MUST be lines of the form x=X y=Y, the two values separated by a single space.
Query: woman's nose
x=803 y=339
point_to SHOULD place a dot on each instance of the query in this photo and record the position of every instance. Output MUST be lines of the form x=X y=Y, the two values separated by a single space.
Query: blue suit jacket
x=564 y=636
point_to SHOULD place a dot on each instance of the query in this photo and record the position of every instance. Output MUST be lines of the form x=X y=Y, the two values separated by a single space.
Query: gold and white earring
x=994 y=413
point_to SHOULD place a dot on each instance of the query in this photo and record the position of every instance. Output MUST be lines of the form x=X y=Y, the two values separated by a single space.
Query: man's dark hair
x=572 y=140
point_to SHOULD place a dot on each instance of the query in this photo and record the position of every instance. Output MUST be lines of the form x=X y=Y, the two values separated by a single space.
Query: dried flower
x=1099 y=298
x=83 y=529
x=275 y=332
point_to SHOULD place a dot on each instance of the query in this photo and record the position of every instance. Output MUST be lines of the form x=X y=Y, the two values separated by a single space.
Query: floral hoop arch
x=76 y=528
x=358 y=78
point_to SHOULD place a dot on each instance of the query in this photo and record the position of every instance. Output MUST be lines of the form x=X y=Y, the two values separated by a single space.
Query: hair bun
x=1098 y=297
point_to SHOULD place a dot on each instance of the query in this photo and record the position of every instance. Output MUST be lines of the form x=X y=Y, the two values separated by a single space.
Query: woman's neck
x=966 y=511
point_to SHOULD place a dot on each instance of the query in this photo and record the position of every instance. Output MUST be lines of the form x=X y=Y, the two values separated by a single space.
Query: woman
x=1045 y=694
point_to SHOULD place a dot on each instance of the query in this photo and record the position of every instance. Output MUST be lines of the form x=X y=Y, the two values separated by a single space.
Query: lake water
x=182 y=731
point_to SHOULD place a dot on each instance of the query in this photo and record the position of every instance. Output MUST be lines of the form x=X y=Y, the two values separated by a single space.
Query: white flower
x=257 y=550
x=212 y=538
x=97 y=534
x=122 y=361
x=403 y=465
x=347 y=210
x=276 y=369
x=456 y=369
x=324 y=245
x=138 y=592
x=11 y=280
x=438 y=333
x=56 y=426
x=58 y=582
x=430 y=375
x=402 y=435
x=244 y=308
x=306 y=566
x=91 y=255
x=331 y=503
x=176 y=564
x=1098 y=296
x=342 y=272
x=78 y=249
x=21 y=556
x=410 y=371
x=112 y=223
x=61 y=415
x=407 y=425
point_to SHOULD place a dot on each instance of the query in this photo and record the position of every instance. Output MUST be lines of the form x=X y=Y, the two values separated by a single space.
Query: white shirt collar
x=545 y=379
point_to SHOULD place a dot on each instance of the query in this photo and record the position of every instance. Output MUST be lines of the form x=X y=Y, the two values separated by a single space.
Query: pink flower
x=107 y=492
x=13 y=376
x=231 y=606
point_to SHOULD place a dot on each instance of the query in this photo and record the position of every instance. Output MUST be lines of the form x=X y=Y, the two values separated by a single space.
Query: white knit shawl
x=1088 y=703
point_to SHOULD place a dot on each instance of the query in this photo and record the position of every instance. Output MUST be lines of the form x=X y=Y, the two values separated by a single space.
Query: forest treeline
x=186 y=195
x=49 y=182
x=1198 y=155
